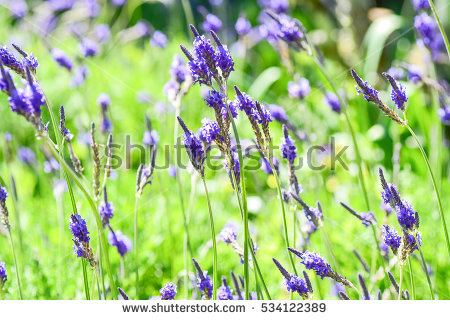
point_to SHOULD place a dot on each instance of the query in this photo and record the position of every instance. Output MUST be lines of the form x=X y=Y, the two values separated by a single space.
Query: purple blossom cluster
x=288 y=148
x=299 y=89
x=81 y=237
x=106 y=210
x=314 y=261
x=204 y=64
x=333 y=101
x=3 y=274
x=429 y=33
x=209 y=131
x=296 y=284
x=62 y=58
x=391 y=238
x=224 y=292
x=242 y=26
x=169 y=291
x=212 y=23
x=158 y=39
x=228 y=233
x=120 y=241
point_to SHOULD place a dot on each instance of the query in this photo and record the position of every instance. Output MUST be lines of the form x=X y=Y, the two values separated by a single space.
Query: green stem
x=93 y=206
x=213 y=237
x=400 y=286
x=85 y=278
x=350 y=127
x=330 y=248
x=280 y=196
x=188 y=12
x=68 y=171
x=411 y=273
x=136 y=247
x=430 y=172
x=425 y=269
x=441 y=28
x=187 y=244
x=16 y=265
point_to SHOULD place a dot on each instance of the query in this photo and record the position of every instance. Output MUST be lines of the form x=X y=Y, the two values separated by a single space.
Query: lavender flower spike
x=225 y=292
x=371 y=95
x=287 y=146
x=123 y=294
x=391 y=238
x=398 y=94
x=81 y=239
x=204 y=282
x=169 y=291
x=194 y=148
x=314 y=261
x=292 y=282
x=3 y=275
x=3 y=209
x=106 y=209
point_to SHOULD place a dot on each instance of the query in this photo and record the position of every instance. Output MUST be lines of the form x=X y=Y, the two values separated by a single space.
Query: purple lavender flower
x=212 y=23
x=106 y=125
x=228 y=233
x=200 y=72
x=3 y=194
x=158 y=39
x=81 y=239
x=79 y=76
x=289 y=30
x=278 y=113
x=299 y=89
x=103 y=100
x=194 y=148
x=62 y=59
x=172 y=171
x=314 y=261
x=386 y=193
x=398 y=93
x=106 y=210
x=102 y=33
x=118 y=3
x=391 y=238
x=18 y=8
x=236 y=168
x=421 y=5
x=205 y=285
x=88 y=47
x=169 y=291
x=414 y=73
x=178 y=69
x=406 y=215
x=265 y=165
x=369 y=93
x=366 y=218
x=120 y=241
x=215 y=99
x=224 y=292
x=412 y=243
x=296 y=284
x=150 y=138
x=52 y=165
x=386 y=207
x=288 y=148
x=3 y=274
x=92 y=7
x=61 y=5
x=26 y=155
x=224 y=61
x=333 y=101
x=444 y=114
x=245 y=103
x=397 y=73
x=242 y=26
x=209 y=131
x=9 y=60
x=426 y=27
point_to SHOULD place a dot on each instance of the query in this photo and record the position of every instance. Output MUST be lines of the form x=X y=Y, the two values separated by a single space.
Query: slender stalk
x=85 y=278
x=58 y=154
x=247 y=241
x=213 y=237
x=430 y=172
x=441 y=28
x=101 y=276
x=136 y=247
x=16 y=265
x=330 y=248
x=425 y=269
x=280 y=196
x=186 y=245
x=92 y=204
x=411 y=274
x=350 y=127
x=188 y=12
x=400 y=285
